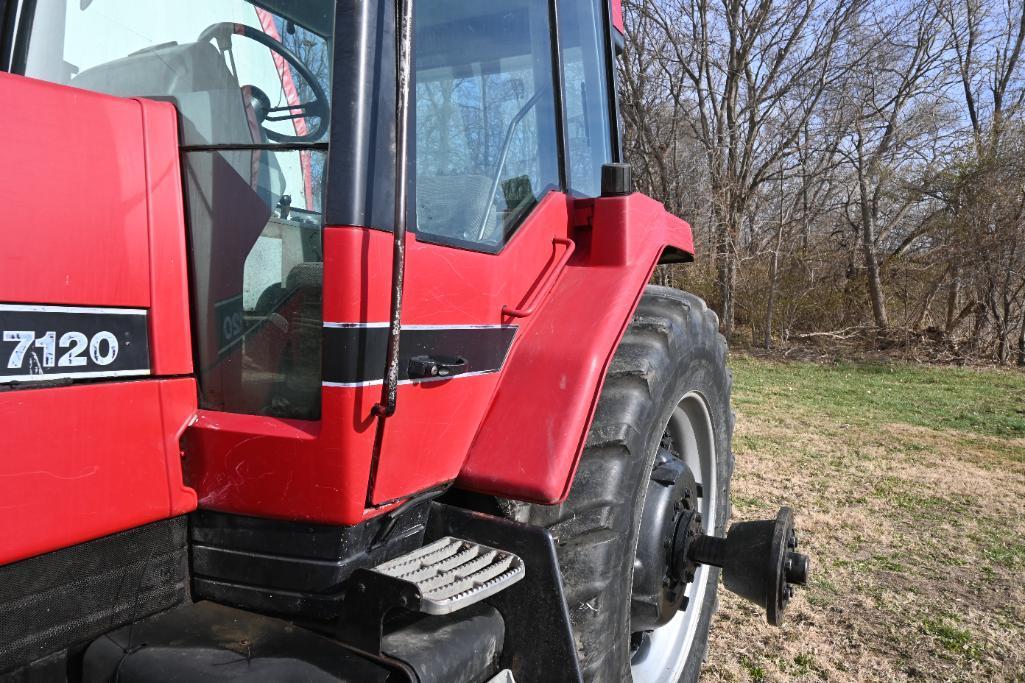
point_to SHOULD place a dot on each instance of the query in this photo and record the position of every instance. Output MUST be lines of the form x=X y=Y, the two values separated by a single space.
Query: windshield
x=251 y=83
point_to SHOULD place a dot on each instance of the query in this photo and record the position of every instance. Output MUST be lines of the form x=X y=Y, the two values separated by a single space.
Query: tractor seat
x=214 y=108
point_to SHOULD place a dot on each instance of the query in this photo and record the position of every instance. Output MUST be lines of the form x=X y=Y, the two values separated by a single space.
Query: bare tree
x=754 y=74
x=852 y=168
x=892 y=109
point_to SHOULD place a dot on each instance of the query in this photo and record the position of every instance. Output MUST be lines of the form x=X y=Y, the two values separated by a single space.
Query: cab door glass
x=486 y=144
x=582 y=36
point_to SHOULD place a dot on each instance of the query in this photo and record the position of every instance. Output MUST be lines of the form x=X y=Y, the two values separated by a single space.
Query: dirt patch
x=918 y=542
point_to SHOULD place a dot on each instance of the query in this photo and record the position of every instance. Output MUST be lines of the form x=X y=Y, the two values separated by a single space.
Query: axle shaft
x=758 y=558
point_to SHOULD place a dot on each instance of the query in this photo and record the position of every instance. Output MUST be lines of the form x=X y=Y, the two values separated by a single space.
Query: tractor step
x=451 y=573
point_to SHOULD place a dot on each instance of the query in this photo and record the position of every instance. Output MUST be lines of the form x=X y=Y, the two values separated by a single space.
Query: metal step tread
x=452 y=573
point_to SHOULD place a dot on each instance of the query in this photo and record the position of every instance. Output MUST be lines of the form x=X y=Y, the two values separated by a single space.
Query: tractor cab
x=327 y=353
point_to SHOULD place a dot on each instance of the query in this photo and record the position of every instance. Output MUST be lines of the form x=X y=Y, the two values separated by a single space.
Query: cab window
x=582 y=36
x=486 y=143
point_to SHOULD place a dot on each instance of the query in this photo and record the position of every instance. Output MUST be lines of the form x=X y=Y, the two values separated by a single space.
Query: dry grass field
x=909 y=489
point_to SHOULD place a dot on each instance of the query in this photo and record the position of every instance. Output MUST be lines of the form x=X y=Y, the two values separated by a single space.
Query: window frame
x=15 y=26
x=612 y=80
x=607 y=68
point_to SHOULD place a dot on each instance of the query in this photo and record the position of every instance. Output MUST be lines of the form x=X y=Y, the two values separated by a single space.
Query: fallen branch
x=846 y=333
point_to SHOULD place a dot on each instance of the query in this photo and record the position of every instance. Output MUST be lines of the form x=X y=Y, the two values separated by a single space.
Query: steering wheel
x=318 y=108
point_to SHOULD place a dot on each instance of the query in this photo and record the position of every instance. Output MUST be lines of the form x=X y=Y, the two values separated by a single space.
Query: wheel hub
x=681 y=567
x=669 y=522
x=759 y=557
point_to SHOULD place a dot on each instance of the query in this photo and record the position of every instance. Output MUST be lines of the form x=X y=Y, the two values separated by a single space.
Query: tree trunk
x=1004 y=332
x=868 y=242
x=980 y=320
x=1021 y=340
x=770 y=305
x=927 y=303
x=875 y=285
x=726 y=275
x=952 y=297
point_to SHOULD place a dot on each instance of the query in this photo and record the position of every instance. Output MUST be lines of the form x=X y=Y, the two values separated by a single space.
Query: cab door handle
x=549 y=280
x=425 y=367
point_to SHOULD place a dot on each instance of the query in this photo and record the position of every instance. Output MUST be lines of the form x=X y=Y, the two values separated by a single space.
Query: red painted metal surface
x=93 y=216
x=170 y=332
x=427 y=439
x=568 y=247
x=86 y=461
x=320 y=471
x=523 y=439
x=65 y=183
x=92 y=190
x=530 y=441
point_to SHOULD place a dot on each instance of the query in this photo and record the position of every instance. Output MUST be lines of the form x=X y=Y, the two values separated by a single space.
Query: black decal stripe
x=354 y=355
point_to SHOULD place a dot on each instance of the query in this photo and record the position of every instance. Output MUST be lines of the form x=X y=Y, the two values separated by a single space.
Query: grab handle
x=531 y=304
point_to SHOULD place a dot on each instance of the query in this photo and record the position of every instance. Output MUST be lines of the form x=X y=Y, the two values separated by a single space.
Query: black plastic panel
x=539 y=643
x=70 y=596
x=8 y=10
x=210 y=642
x=462 y=647
x=291 y=568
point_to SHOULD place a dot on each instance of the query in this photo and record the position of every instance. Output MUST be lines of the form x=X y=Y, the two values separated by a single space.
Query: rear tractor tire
x=661 y=435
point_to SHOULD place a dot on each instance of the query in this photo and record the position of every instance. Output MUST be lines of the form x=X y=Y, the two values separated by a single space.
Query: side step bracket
x=439 y=578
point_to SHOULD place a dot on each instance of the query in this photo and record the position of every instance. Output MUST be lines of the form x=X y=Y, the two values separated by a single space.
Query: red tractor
x=328 y=354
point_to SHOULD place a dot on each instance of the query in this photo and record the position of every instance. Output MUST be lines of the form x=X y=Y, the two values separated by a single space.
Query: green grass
x=985 y=402
x=804 y=663
x=908 y=483
x=1007 y=553
x=755 y=671
x=952 y=638
x=899 y=494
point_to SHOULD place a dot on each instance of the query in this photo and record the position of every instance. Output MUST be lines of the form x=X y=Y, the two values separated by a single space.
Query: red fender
x=531 y=438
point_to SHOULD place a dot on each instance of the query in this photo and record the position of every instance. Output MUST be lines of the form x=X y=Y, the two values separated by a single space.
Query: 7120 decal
x=41 y=343
x=103 y=348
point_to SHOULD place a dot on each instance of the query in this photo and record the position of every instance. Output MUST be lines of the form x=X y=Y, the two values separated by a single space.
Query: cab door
x=512 y=121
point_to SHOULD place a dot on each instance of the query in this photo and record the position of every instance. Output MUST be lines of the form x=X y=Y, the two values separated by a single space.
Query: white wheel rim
x=665 y=653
